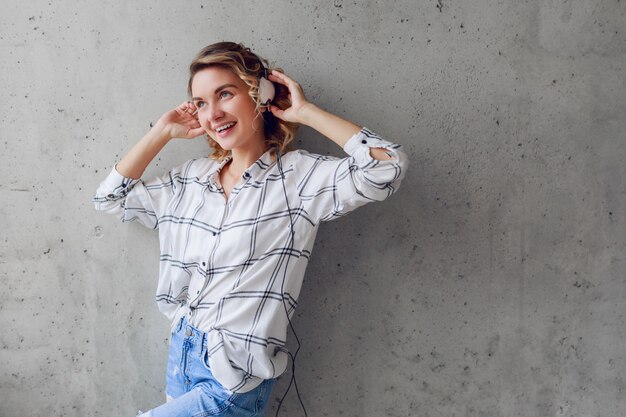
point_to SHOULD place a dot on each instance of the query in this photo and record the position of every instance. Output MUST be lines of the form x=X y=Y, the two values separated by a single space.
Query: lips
x=223 y=133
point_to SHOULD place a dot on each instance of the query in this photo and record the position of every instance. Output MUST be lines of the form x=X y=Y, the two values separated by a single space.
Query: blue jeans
x=191 y=389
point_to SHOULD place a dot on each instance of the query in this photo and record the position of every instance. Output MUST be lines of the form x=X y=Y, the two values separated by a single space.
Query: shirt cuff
x=361 y=142
x=117 y=185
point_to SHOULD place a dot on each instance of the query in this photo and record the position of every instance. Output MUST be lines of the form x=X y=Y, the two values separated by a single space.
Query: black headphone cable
x=293 y=357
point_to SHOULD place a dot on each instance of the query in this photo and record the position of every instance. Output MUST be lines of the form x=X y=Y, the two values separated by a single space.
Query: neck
x=244 y=158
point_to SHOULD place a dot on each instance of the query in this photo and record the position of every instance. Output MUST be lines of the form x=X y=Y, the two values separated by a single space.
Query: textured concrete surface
x=492 y=284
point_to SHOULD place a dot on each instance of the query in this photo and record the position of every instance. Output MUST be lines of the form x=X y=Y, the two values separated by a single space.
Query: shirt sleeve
x=330 y=187
x=134 y=199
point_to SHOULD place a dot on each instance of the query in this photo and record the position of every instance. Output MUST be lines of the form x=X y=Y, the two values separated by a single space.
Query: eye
x=225 y=92
x=199 y=104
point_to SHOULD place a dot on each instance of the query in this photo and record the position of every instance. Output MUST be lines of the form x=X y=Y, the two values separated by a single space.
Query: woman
x=236 y=229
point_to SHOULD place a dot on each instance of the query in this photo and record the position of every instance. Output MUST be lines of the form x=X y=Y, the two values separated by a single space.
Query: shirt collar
x=253 y=171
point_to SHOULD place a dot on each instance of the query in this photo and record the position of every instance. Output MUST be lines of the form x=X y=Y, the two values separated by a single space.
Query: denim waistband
x=195 y=336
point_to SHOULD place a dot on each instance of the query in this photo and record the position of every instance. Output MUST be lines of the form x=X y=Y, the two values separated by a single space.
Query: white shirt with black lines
x=232 y=266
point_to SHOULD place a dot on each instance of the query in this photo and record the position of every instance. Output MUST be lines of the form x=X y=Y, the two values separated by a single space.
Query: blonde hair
x=250 y=68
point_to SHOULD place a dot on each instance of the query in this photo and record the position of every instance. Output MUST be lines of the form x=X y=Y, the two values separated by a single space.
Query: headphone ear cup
x=266 y=91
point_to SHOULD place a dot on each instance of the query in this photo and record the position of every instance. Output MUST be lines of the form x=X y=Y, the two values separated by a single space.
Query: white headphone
x=266 y=91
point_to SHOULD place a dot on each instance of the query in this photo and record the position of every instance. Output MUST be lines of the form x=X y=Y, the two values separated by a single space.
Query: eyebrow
x=217 y=90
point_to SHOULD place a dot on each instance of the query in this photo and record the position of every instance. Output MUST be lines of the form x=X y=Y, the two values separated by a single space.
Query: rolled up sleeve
x=133 y=199
x=331 y=187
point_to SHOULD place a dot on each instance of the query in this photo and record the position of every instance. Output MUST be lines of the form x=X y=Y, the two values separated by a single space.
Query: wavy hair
x=250 y=68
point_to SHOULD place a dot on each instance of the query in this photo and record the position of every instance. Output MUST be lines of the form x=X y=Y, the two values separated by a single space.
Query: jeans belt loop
x=202 y=343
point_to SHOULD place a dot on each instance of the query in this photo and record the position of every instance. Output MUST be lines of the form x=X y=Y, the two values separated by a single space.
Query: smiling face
x=222 y=99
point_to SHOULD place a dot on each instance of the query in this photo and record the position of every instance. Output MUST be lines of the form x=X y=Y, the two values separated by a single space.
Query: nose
x=212 y=113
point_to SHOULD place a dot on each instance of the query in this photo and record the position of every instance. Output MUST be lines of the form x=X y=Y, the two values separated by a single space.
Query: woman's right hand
x=180 y=122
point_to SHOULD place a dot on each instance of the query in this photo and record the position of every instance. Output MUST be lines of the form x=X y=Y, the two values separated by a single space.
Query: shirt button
x=363 y=141
x=214 y=233
x=188 y=332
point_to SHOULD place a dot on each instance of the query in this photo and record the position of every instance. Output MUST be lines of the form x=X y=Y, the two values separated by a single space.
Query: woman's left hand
x=299 y=103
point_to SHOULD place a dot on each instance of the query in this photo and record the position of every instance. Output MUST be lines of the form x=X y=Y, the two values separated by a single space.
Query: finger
x=275 y=79
x=193 y=108
x=282 y=78
x=279 y=74
x=186 y=108
x=196 y=132
x=189 y=117
x=190 y=108
x=181 y=112
x=293 y=87
x=277 y=112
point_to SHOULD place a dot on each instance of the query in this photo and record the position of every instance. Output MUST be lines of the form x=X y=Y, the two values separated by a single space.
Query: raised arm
x=176 y=123
x=330 y=187
x=304 y=112
x=148 y=199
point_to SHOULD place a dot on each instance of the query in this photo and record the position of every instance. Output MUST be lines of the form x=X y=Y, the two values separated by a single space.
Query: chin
x=226 y=146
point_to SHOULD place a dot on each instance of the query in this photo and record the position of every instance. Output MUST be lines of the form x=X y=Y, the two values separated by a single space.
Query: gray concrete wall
x=491 y=284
